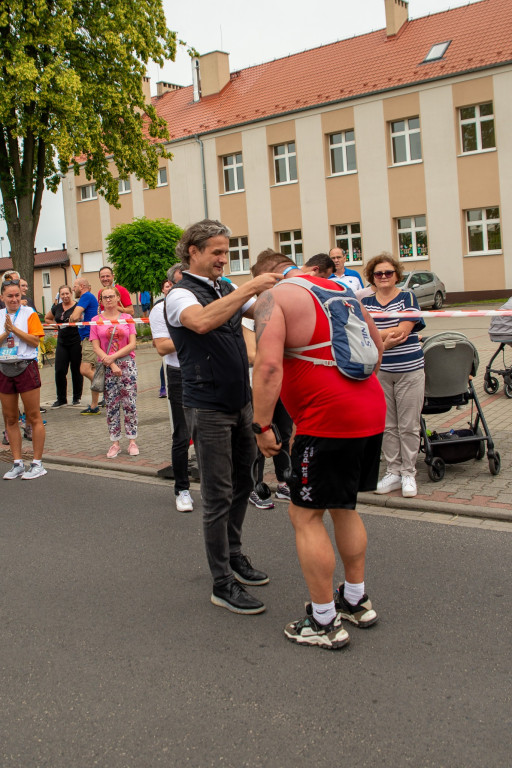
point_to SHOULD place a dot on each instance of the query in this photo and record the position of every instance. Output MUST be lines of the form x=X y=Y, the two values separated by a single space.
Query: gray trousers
x=404 y=400
x=225 y=448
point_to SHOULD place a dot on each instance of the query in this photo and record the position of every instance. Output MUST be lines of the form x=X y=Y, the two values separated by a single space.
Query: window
x=233 y=173
x=46 y=279
x=412 y=237
x=348 y=237
x=477 y=127
x=92 y=261
x=124 y=186
x=484 y=231
x=162 y=177
x=239 y=254
x=285 y=163
x=437 y=51
x=290 y=243
x=343 y=152
x=406 y=141
x=88 y=192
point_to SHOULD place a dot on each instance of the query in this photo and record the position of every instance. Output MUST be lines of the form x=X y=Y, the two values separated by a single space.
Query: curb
x=371 y=499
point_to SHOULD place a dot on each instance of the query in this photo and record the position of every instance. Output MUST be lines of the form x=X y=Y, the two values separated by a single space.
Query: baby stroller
x=450 y=360
x=500 y=331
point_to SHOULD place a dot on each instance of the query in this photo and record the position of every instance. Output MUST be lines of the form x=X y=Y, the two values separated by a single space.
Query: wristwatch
x=258 y=429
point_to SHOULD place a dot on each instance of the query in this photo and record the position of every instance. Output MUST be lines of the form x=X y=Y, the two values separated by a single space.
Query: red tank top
x=324 y=403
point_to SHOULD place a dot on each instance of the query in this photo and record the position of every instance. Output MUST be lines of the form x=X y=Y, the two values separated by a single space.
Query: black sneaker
x=76 y=401
x=257 y=501
x=234 y=597
x=102 y=403
x=59 y=403
x=308 y=631
x=245 y=573
x=362 y=614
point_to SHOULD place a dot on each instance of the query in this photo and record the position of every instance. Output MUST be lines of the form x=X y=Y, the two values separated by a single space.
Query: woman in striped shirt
x=401 y=373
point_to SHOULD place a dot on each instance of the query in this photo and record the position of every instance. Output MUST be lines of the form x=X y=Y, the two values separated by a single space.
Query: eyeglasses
x=112 y=296
x=11 y=282
x=387 y=273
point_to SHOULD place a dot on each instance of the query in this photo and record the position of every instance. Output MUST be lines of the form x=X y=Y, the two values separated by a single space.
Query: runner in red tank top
x=335 y=454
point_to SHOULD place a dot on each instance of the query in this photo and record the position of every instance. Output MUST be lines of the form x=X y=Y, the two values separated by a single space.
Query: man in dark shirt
x=204 y=315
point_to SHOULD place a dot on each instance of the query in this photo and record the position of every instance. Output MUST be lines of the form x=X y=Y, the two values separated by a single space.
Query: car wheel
x=438 y=300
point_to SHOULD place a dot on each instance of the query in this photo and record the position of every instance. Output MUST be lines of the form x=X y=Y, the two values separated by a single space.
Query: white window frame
x=288 y=243
x=413 y=229
x=343 y=144
x=286 y=155
x=230 y=162
x=124 y=186
x=478 y=119
x=162 y=172
x=46 y=279
x=484 y=222
x=88 y=192
x=349 y=237
x=407 y=132
x=239 y=252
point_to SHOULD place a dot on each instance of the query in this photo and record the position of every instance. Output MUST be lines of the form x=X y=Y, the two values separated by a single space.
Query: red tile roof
x=480 y=35
x=42 y=259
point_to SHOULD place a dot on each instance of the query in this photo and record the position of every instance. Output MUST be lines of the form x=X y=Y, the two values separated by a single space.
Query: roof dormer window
x=437 y=52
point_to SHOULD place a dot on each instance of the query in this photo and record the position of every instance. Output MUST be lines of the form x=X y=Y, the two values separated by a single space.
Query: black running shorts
x=328 y=472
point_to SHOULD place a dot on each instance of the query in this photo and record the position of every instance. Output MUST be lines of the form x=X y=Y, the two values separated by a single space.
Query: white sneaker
x=409 y=486
x=35 y=470
x=389 y=483
x=16 y=470
x=184 y=502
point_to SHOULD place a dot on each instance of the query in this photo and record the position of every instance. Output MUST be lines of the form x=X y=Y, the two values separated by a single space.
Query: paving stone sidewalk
x=467 y=488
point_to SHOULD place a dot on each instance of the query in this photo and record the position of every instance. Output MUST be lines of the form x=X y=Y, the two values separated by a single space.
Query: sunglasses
x=11 y=282
x=387 y=273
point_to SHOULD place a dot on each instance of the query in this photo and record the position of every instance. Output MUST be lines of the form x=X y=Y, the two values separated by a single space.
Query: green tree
x=142 y=251
x=71 y=91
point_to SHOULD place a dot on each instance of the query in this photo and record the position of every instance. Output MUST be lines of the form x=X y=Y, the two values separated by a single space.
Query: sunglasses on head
x=11 y=282
x=386 y=273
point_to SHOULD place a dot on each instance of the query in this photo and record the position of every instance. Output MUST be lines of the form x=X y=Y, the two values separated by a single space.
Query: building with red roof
x=398 y=140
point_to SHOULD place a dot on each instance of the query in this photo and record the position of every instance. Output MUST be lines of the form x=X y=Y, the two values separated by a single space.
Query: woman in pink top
x=120 y=370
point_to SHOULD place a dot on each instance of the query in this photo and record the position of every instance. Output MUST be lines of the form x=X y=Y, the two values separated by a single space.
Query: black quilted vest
x=214 y=365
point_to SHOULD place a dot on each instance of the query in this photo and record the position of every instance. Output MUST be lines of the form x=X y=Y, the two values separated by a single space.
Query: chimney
x=46 y=250
x=214 y=72
x=63 y=246
x=146 y=89
x=397 y=13
x=162 y=87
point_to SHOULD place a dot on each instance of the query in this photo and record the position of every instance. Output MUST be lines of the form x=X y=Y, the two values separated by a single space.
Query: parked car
x=426 y=286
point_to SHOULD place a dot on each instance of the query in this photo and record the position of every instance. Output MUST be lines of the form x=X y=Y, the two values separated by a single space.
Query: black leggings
x=67 y=355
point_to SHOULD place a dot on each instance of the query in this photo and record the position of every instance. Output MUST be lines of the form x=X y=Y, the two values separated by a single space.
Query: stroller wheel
x=508 y=390
x=495 y=463
x=491 y=385
x=436 y=469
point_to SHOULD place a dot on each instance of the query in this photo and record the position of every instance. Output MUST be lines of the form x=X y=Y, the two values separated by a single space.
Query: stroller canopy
x=450 y=359
x=500 y=329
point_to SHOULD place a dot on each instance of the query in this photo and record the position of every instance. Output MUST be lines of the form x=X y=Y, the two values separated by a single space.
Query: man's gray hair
x=198 y=234
x=171 y=272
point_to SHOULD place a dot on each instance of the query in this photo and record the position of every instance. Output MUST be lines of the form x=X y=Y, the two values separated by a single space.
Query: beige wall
x=313 y=200
x=503 y=123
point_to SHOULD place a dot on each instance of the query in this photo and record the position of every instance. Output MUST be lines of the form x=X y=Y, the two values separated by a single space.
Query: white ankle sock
x=19 y=462
x=324 y=613
x=37 y=462
x=353 y=592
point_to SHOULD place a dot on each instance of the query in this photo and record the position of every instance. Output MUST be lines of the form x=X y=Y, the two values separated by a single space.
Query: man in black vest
x=204 y=314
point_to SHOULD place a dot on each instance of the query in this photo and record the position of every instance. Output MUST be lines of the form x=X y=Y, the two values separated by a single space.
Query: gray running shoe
x=17 y=470
x=308 y=631
x=35 y=470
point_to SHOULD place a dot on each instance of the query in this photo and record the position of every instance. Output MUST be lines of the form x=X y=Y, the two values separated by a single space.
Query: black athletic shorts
x=328 y=472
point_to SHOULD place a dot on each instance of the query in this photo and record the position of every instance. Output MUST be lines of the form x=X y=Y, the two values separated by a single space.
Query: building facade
x=399 y=140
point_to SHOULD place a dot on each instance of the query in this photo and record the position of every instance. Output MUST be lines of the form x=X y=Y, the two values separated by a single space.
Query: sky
x=251 y=33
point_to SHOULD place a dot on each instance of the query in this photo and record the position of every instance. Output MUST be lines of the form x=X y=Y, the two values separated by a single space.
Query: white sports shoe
x=16 y=471
x=409 y=486
x=389 y=483
x=35 y=470
x=184 y=502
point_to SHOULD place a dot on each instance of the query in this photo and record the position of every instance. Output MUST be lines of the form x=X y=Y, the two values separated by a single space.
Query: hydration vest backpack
x=354 y=352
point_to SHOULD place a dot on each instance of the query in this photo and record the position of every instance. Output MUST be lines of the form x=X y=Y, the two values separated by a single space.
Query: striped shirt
x=407 y=356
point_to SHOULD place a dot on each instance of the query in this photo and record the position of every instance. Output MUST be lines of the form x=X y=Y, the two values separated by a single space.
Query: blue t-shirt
x=407 y=356
x=90 y=304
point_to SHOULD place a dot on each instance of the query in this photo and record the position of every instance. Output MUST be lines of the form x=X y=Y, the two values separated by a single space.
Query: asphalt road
x=112 y=655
